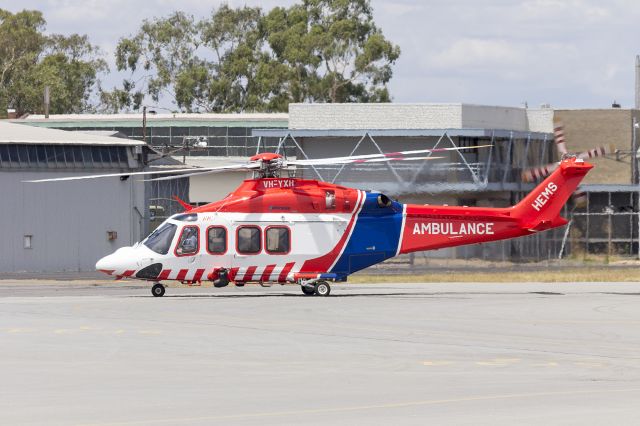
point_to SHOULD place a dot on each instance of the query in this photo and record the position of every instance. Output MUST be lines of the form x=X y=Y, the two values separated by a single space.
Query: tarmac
x=108 y=353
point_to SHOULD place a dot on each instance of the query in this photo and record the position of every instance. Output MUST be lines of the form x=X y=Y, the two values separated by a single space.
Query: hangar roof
x=11 y=133
x=268 y=120
x=338 y=133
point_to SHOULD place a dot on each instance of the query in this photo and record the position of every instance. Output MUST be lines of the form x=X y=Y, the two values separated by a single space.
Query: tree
x=31 y=60
x=335 y=51
x=164 y=51
x=243 y=60
x=215 y=64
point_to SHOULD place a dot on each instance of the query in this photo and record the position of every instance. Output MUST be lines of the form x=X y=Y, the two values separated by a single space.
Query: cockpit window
x=160 y=239
x=189 y=241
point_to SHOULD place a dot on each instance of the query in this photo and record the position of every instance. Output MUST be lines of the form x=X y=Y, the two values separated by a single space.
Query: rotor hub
x=270 y=164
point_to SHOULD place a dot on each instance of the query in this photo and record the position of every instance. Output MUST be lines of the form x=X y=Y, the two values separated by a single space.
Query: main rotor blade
x=372 y=160
x=157 y=172
x=396 y=155
x=206 y=172
x=381 y=160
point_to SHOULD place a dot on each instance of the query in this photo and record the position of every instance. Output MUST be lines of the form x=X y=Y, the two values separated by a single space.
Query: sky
x=566 y=53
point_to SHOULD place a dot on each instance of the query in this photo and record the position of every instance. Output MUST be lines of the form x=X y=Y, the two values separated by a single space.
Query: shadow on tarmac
x=452 y=295
x=456 y=295
x=242 y=296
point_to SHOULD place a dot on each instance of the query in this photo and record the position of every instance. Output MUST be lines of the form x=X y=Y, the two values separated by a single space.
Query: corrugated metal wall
x=68 y=221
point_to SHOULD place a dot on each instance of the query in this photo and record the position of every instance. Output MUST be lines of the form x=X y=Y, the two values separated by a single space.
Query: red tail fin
x=541 y=208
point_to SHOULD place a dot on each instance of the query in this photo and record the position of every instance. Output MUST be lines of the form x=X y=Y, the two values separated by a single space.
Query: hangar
x=69 y=226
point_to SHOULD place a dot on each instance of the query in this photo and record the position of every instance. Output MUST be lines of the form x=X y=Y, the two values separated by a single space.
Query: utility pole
x=46 y=101
x=634 y=161
x=144 y=124
x=637 y=81
x=634 y=150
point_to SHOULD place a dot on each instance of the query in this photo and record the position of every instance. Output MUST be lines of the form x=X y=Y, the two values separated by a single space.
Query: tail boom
x=434 y=227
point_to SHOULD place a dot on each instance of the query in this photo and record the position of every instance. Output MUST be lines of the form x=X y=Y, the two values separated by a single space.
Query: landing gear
x=313 y=287
x=308 y=291
x=222 y=280
x=157 y=290
x=322 y=288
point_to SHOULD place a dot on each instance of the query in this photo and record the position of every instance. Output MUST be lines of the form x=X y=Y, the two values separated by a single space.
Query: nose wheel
x=157 y=290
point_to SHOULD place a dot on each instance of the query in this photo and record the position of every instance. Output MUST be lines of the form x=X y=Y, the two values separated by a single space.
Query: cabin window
x=217 y=240
x=277 y=240
x=248 y=241
x=160 y=240
x=188 y=243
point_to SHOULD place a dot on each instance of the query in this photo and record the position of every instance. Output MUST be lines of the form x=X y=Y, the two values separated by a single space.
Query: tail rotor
x=540 y=172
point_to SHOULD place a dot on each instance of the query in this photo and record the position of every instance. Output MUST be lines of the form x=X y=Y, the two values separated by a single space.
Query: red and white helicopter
x=275 y=229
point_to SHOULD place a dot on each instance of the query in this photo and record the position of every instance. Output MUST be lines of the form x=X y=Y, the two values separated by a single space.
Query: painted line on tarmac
x=362 y=407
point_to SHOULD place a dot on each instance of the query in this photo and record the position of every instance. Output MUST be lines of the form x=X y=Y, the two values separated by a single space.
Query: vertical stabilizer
x=540 y=209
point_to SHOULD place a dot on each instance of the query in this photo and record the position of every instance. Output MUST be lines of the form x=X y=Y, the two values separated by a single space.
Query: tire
x=322 y=288
x=157 y=290
x=308 y=291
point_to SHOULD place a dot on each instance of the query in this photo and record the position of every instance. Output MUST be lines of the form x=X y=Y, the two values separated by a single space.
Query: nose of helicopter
x=118 y=262
x=105 y=265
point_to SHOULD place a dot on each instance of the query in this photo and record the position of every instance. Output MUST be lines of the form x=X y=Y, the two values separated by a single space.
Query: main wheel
x=322 y=288
x=308 y=291
x=157 y=290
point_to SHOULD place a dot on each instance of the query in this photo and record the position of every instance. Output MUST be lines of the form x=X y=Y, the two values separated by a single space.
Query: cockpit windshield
x=160 y=239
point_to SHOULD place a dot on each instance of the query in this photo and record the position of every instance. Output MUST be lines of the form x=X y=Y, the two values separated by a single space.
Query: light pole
x=144 y=118
x=144 y=124
x=634 y=152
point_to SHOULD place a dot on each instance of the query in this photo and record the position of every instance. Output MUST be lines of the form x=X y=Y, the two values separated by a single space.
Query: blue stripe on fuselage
x=375 y=236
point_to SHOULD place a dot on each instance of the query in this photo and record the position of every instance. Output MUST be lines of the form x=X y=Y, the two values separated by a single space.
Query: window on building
x=13 y=155
x=62 y=156
x=217 y=240
x=160 y=239
x=277 y=240
x=188 y=243
x=248 y=240
x=4 y=155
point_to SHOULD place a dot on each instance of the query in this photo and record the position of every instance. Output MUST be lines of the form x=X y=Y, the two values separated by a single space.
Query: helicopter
x=286 y=230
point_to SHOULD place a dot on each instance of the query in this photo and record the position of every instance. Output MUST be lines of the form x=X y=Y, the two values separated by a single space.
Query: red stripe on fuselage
x=198 y=275
x=248 y=276
x=267 y=272
x=285 y=271
x=164 y=274
x=182 y=274
x=128 y=273
x=232 y=274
